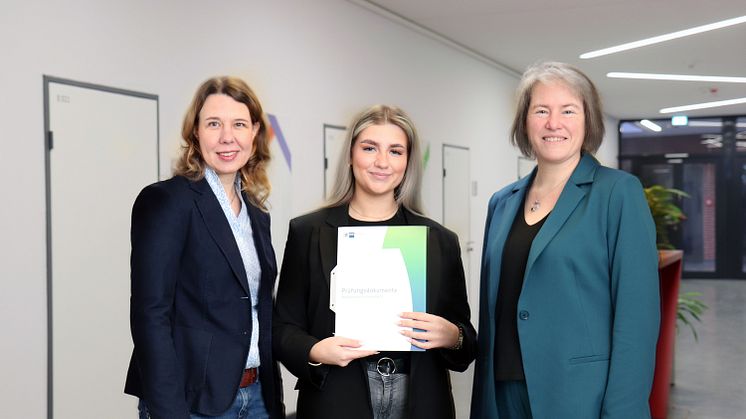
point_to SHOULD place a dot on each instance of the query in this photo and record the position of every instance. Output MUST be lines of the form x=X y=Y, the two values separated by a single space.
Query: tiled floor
x=710 y=377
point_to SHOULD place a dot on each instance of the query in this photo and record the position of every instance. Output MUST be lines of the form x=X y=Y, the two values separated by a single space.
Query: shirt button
x=523 y=315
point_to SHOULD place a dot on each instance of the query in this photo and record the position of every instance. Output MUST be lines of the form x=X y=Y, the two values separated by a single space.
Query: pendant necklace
x=537 y=201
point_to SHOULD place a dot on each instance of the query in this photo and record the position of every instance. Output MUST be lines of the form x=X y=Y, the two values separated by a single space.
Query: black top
x=508 y=360
x=397 y=220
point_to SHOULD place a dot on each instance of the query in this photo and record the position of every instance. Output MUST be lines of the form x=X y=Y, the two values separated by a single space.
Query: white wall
x=310 y=62
x=609 y=151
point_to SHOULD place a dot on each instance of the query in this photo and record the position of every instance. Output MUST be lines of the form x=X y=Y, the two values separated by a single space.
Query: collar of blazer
x=220 y=230
x=571 y=195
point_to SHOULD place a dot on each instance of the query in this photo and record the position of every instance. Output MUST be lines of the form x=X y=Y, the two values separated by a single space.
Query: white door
x=104 y=150
x=334 y=138
x=456 y=216
x=457 y=199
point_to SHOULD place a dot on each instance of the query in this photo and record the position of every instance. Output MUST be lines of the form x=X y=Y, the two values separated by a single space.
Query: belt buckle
x=386 y=366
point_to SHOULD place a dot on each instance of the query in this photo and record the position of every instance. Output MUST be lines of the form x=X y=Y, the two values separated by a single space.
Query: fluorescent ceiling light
x=665 y=37
x=650 y=125
x=704 y=105
x=675 y=77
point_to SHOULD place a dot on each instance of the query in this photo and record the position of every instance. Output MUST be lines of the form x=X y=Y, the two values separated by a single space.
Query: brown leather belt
x=249 y=377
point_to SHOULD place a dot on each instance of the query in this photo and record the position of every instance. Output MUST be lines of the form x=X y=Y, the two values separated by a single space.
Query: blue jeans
x=248 y=404
x=388 y=394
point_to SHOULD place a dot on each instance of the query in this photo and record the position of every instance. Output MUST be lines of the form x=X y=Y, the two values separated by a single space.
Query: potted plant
x=667 y=215
x=676 y=308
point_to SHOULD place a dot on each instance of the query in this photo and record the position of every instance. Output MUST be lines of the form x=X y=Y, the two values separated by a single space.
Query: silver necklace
x=537 y=201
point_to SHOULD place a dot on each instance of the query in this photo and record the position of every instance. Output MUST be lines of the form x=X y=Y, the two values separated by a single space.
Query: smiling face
x=555 y=123
x=226 y=135
x=379 y=160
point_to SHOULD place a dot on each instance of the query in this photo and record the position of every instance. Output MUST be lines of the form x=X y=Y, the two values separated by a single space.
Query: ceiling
x=516 y=33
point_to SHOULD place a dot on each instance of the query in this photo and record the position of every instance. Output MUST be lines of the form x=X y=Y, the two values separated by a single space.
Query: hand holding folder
x=380 y=274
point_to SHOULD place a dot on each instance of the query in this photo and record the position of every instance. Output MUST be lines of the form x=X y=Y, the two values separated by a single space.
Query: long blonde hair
x=408 y=193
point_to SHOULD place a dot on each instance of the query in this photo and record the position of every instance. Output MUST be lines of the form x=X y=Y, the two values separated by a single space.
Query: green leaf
x=666 y=214
x=690 y=308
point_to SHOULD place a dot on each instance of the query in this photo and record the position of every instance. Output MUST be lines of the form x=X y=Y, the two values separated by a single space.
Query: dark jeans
x=248 y=404
x=388 y=394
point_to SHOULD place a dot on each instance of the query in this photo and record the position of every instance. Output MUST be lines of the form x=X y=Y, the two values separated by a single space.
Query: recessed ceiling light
x=665 y=37
x=675 y=77
x=652 y=126
x=704 y=105
x=679 y=120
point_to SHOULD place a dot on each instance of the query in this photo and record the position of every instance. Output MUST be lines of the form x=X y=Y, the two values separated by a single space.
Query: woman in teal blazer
x=569 y=304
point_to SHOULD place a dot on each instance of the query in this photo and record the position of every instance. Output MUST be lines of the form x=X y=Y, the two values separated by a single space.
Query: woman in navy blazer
x=569 y=304
x=203 y=270
x=378 y=183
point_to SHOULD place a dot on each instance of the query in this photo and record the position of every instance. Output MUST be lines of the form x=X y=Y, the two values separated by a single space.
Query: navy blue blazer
x=190 y=309
x=589 y=308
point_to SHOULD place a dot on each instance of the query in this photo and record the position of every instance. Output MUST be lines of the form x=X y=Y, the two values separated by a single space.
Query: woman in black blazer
x=378 y=183
x=203 y=270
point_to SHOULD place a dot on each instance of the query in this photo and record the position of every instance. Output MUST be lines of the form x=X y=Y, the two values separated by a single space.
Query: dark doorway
x=707 y=160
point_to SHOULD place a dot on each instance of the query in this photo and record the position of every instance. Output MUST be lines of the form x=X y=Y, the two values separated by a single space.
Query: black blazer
x=190 y=311
x=303 y=317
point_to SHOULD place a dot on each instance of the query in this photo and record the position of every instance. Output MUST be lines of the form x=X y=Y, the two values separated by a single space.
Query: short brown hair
x=579 y=83
x=191 y=164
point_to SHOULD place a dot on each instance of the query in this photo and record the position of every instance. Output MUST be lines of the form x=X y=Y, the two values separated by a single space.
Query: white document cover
x=380 y=272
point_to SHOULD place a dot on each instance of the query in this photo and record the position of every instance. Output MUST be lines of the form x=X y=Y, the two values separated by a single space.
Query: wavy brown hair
x=191 y=164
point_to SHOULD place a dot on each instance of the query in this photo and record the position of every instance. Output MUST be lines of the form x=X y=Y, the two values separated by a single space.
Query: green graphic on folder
x=381 y=271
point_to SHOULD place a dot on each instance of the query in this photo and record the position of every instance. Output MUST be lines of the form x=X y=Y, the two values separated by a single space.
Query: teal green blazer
x=589 y=309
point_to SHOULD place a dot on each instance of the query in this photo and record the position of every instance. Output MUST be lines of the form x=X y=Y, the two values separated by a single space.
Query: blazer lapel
x=219 y=229
x=328 y=239
x=571 y=195
x=510 y=209
x=258 y=226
